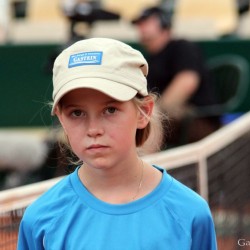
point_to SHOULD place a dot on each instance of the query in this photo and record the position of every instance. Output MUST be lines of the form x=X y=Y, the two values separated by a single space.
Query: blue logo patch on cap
x=85 y=58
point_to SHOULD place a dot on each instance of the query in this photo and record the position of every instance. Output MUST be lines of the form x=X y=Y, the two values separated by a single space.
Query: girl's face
x=101 y=130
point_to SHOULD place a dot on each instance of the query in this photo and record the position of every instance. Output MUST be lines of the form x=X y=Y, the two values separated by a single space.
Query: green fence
x=238 y=47
x=26 y=85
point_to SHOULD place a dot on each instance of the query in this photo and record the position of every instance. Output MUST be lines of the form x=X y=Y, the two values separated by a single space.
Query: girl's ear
x=58 y=113
x=145 y=112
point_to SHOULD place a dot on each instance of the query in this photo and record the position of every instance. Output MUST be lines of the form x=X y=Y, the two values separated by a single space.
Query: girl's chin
x=97 y=164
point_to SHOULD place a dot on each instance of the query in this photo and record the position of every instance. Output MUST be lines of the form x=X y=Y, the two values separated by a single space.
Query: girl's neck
x=119 y=184
x=131 y=183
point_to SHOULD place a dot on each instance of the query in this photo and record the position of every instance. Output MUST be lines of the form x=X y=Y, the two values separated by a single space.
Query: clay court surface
x=8 y=231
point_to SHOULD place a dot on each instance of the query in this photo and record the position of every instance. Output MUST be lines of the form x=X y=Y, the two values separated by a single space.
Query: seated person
x=177 y=72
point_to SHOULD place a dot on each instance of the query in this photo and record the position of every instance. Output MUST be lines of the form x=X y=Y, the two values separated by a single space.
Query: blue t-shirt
x=69 y=217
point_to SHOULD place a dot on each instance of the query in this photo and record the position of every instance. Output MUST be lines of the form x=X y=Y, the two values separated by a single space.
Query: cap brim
x=113 y=89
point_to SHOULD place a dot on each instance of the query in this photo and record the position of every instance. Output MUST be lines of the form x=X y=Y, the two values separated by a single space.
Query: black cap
x=164 y=16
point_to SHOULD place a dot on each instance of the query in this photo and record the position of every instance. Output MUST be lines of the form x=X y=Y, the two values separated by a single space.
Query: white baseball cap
x=107 y=65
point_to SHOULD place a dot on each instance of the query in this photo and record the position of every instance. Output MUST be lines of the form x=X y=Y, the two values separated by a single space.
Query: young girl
x=113 y=200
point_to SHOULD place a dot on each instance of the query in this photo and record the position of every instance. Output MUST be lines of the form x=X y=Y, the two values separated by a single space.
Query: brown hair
x=150 y=139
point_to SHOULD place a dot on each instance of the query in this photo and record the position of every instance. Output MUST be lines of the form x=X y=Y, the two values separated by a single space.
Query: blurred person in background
x=177 y=72
x=86 y=12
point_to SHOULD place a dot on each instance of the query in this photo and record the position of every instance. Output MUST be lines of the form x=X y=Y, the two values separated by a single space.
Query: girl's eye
x=77 y=113
x=110 y=110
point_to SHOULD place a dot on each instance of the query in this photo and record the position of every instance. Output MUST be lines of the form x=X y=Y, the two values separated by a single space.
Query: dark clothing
x=177 y=56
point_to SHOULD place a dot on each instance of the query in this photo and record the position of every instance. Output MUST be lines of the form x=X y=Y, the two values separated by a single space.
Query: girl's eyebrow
x=73 y=105
x=66 y=106
x=112 y=102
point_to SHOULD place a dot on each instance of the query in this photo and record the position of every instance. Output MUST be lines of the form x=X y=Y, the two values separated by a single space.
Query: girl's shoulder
x=50 y=203
x=180 y=198
x=185 y=203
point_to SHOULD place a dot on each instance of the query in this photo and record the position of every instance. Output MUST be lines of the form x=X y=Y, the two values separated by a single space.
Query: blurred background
x=36 y=21
x=33 y=32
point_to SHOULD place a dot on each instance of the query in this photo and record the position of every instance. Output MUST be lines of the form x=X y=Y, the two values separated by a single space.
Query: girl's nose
x=95 y=129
